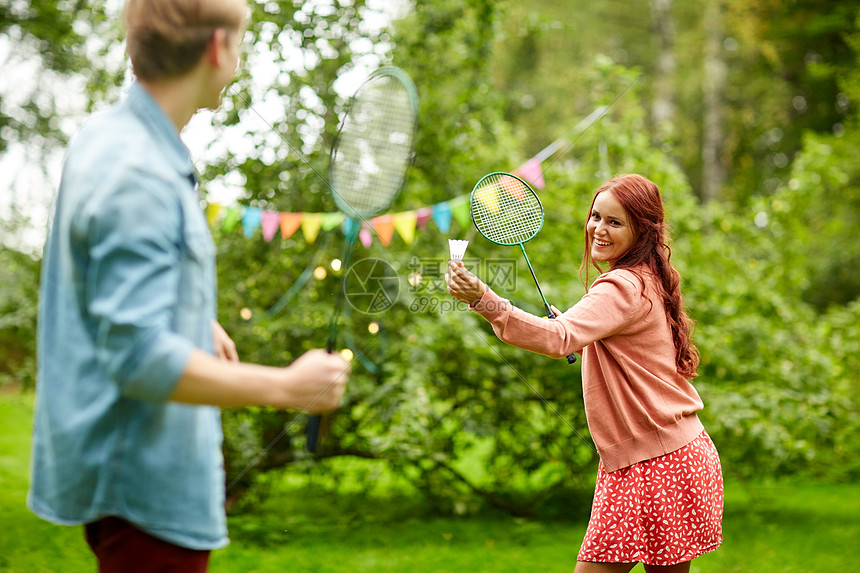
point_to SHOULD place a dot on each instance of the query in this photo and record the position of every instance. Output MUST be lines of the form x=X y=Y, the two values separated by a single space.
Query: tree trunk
x=663 y=106
x=713 y=85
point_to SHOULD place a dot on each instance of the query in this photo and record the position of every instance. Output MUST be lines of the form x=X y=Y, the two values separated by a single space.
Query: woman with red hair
x=659 y=493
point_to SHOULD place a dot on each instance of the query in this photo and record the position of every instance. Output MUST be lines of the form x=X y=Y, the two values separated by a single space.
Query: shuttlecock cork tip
x=457 y=248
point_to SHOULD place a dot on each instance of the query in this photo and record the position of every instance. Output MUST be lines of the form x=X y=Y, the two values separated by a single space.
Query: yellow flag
x=488 y=196
x=405 y=224
x=311 y=223
x=212 y=212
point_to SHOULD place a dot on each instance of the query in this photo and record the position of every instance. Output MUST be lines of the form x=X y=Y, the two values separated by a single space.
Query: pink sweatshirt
x=637 y=405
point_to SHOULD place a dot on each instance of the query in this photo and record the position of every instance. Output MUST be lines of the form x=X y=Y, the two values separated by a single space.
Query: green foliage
x=434 y=398
x=58 y=41
x=18 y=308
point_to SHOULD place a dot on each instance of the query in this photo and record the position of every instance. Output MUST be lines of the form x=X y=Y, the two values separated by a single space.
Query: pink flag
x=365 y=237
x=271 y=222
x=422 y=216
x=531 y=172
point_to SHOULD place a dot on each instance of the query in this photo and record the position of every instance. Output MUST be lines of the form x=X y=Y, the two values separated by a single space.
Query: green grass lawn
x=768 y=528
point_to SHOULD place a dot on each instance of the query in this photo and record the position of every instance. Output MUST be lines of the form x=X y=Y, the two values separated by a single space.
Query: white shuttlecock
x=458 y=249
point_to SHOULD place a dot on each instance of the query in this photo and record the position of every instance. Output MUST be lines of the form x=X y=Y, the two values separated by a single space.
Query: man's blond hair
x=167 y=38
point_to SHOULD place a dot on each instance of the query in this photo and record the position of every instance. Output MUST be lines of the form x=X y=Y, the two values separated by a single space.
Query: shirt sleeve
x=132 y=242
x=614 y=301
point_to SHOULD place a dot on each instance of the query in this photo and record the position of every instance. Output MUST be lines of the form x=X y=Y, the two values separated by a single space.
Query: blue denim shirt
x=128 y=290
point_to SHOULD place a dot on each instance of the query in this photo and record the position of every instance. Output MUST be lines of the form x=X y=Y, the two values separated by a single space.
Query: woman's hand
x=463 y=285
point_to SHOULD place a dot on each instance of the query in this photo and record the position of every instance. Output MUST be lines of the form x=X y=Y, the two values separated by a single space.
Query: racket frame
x=571 y=358
x=355 y=216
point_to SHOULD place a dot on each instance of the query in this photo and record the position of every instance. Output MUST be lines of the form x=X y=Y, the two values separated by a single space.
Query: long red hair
x=641 y=199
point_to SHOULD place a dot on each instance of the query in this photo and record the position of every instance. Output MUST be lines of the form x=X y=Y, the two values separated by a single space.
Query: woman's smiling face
x=610 y=232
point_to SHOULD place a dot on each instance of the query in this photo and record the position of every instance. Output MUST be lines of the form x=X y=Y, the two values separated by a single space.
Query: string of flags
x=404 y=223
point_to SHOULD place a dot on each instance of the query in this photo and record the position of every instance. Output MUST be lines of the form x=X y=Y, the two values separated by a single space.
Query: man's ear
x=216 y=47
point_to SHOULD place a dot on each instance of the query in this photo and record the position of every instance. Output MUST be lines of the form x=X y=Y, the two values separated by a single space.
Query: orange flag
x=290 y=222
x=384 y=228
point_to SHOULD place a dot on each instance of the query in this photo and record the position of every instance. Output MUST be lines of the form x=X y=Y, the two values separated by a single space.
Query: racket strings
x=505 y=210
x=374 y=147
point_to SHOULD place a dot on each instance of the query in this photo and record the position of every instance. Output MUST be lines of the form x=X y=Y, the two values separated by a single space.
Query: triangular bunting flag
x=251 y=217
x=311 y=223
x=513 y=186
x=270 y=223
x=442 y=216
x=460 y=210
x=531 y=171
x=230 y=219
x=350 y=226
x=384 y=228
x=405 y=225
x=488 y=196
x=212 y=211
x=423 y=215
x=366 y=237
x=331 y=220
x=290 y=222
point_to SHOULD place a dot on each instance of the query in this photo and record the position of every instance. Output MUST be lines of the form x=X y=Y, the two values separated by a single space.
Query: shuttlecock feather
x=457 y=248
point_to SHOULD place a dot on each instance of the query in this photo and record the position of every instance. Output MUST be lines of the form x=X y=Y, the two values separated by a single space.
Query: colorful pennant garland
x=405 y=223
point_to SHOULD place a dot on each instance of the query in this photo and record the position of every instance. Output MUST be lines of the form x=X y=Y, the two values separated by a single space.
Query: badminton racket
x=367 y=169
x=507 y=211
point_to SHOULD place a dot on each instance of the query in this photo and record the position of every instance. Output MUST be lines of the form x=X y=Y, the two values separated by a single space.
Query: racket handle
x=571 y=358
x=312 y=433
x=312 y=430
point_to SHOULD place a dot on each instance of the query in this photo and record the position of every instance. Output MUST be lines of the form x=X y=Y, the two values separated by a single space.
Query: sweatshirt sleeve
x=614 y=301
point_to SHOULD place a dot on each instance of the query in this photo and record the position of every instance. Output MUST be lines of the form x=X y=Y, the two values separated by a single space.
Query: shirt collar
x=144 y=106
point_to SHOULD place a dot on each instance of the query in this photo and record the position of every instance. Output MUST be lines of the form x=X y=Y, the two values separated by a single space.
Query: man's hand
x=225 y=348
x=318 y=380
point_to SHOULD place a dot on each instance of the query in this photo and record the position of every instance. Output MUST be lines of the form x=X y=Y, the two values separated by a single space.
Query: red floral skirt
x=662 y=511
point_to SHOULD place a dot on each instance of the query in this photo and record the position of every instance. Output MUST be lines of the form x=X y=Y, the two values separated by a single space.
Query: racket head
x=505 y=209
x=373 y=147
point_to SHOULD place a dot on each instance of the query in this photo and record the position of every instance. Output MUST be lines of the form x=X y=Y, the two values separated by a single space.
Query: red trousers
x=122 y=548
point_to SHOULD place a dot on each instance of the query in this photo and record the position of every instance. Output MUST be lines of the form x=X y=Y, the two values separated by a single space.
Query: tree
x=59 y=59
x=53 y=41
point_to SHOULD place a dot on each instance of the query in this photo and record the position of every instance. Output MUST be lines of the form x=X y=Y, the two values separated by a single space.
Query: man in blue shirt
x=132 y=365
